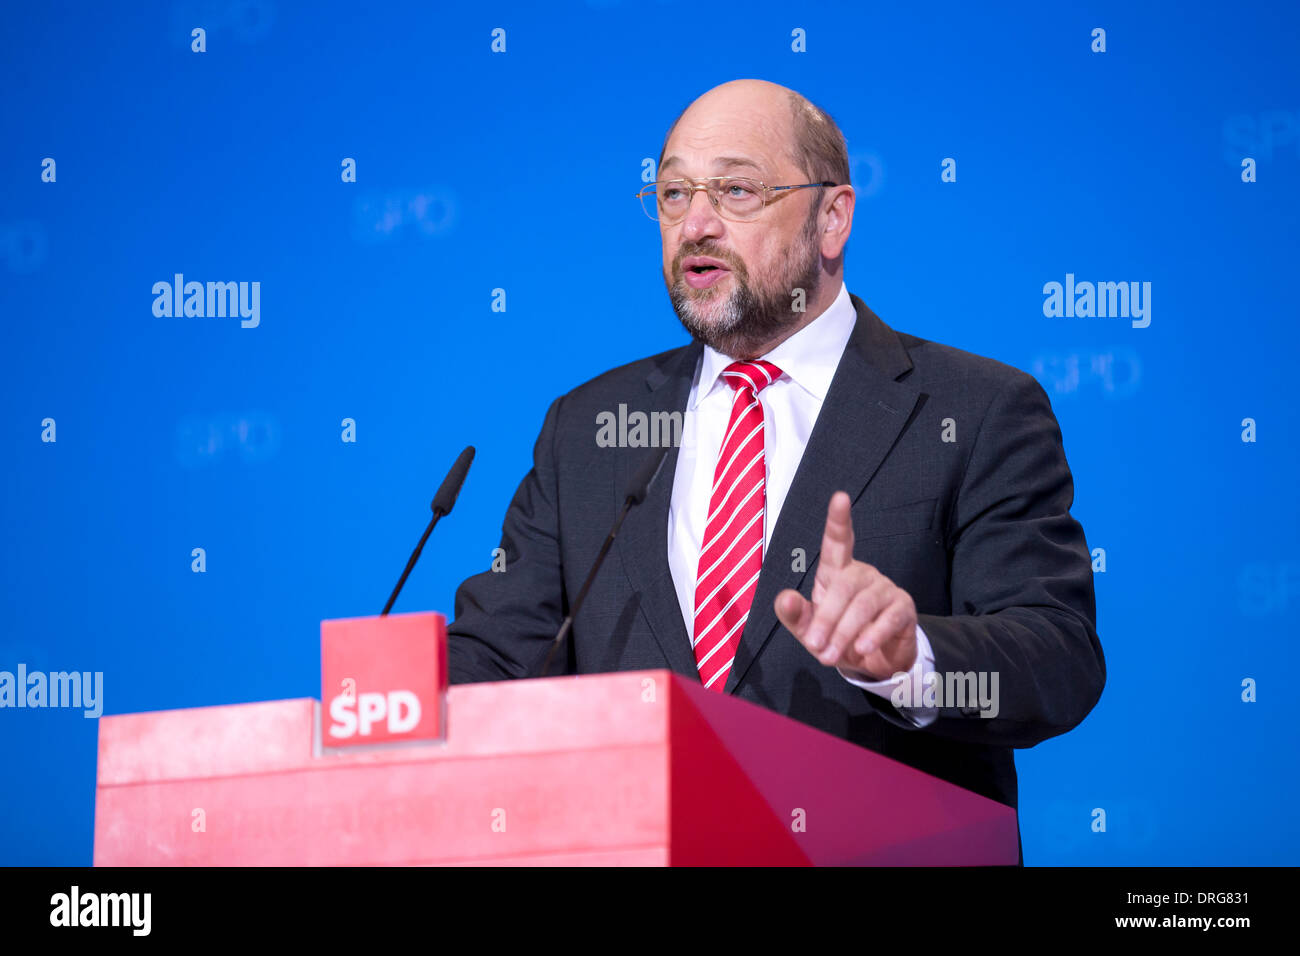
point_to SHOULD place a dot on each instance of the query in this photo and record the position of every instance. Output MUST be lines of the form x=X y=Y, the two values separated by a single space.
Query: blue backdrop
x=480 y=170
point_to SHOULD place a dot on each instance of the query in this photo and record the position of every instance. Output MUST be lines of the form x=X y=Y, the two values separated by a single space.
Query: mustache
x=711 y=253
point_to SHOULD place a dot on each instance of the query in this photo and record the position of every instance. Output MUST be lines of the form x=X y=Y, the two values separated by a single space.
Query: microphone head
x=446 y=496
x=645 y=477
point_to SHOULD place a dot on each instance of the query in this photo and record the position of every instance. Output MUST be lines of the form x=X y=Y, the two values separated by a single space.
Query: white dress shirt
x=807 y=360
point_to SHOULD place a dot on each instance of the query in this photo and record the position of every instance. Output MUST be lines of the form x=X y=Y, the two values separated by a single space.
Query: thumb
x=794 y=611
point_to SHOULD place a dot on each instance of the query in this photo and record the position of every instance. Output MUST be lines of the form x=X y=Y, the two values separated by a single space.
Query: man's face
x=745 y=304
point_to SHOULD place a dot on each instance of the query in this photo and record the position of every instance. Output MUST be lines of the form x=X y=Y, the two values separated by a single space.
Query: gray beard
x=752 y=317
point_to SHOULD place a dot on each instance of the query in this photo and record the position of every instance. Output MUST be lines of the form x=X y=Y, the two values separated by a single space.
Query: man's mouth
x=703 y=278
x=701 y=272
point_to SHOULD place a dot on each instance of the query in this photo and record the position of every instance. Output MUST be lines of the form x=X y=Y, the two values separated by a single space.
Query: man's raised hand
x=858 y=619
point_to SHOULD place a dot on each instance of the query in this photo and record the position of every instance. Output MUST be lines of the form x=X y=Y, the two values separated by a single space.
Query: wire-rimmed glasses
x=735 y=198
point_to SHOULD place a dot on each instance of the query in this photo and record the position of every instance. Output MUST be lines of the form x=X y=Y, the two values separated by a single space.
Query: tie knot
x=756 y=375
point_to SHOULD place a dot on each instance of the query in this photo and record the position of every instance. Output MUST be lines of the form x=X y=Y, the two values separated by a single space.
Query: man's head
x=765 y=132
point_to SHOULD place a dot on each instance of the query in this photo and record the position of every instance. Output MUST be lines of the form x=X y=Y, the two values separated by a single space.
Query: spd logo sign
x=383 y=679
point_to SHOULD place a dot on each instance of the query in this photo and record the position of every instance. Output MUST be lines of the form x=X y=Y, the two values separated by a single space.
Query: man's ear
x=838 y=223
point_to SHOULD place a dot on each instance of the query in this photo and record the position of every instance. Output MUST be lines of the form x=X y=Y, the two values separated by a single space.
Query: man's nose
x=702 y=218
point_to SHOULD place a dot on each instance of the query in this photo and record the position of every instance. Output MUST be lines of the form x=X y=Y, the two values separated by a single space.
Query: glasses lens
x=740 y=198
x=737 y=199
x=667 y=201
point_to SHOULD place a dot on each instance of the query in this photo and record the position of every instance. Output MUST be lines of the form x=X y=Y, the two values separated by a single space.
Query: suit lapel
x=643 y=539
x=863 y=414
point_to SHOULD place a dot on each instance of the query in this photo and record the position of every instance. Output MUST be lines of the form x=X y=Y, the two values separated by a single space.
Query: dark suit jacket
x=977 y=530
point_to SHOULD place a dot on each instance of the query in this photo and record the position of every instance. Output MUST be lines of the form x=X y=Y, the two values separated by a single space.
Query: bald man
x=861 y=529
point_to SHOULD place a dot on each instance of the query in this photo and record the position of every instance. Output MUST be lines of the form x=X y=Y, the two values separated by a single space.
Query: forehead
x=734 y=140
x=737 y=165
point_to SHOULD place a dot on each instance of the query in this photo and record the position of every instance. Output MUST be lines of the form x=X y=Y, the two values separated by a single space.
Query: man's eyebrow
x=723 y=162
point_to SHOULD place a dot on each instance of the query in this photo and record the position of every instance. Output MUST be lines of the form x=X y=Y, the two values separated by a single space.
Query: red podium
x=639 y=768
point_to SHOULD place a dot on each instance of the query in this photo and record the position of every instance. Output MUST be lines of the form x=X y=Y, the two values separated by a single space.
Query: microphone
x=636 y=493
x=442 y=504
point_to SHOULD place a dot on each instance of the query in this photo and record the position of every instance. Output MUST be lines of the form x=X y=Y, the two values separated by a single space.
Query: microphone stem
x=415 y=556
x=586 y=586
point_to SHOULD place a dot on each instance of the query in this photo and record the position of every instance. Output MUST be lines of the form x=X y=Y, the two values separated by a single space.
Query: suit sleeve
x=1023 y=603
x=505 y=620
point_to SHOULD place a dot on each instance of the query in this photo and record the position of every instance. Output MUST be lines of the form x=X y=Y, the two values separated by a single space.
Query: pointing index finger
x=837 y=541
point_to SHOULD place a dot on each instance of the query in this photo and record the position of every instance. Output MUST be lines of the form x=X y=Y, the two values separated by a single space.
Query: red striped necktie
x=732 y=555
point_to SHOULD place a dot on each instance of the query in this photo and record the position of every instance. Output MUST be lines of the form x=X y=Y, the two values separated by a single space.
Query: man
x=851 y=509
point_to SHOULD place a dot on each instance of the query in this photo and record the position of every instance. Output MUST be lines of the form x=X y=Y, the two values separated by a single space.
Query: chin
x=711 y=321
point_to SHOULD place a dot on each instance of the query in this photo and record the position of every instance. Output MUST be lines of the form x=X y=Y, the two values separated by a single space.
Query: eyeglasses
x=740 y=200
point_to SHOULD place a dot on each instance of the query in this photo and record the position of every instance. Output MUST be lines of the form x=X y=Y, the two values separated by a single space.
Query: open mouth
x=700 y=272
x=704 y=276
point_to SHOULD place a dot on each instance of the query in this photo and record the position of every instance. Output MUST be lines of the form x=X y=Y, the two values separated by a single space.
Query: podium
x=638 y=768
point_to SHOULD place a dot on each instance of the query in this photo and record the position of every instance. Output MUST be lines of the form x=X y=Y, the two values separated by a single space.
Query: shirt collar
x=809 y=357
